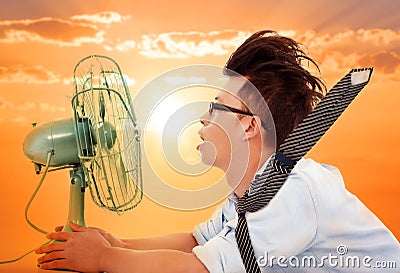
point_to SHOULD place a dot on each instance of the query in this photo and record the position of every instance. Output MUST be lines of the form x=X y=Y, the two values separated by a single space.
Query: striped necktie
x=295 y=146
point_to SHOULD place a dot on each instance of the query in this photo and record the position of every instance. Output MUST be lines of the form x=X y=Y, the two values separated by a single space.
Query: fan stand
x=76 y=198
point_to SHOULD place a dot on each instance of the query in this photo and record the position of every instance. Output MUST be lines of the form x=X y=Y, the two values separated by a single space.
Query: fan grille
x=108 y=137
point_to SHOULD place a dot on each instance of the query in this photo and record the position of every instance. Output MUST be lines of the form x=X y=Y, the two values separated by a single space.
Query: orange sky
x=41 y=41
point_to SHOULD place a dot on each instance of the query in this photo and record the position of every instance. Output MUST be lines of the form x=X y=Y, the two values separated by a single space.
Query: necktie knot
x=263 y=188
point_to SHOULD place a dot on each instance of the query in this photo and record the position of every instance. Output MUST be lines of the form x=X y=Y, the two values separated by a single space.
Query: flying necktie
x=295 y=146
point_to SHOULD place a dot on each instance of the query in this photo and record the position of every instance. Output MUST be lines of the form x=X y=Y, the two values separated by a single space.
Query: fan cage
x=108 y=136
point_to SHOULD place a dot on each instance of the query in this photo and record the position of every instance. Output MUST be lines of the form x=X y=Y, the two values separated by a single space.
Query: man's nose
x=205 y=119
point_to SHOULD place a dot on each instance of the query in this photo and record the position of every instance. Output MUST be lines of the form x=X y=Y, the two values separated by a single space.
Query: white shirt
x=313 y=224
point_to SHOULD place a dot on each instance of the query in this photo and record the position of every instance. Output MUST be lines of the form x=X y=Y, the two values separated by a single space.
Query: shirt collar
x=234 y=197
x=258 y=173
x=261 y=170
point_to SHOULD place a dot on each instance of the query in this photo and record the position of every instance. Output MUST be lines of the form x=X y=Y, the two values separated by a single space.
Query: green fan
x=100 y=144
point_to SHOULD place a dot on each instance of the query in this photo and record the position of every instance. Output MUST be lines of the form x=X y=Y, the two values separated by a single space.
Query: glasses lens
x=211 y=108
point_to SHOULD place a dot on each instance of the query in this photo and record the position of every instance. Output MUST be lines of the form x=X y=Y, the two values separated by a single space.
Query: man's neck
x=248 y=176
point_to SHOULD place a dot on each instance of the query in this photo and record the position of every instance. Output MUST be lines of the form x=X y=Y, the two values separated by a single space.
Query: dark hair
x=273 y=64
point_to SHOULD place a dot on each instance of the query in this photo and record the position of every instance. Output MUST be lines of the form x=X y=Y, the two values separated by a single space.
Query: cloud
x=334 y=52
x=361 y=41
x=75 y=31
x=178 y=80
x=379 y=37
x=68 y=81
x=50 y=31
x=26 y=106
x=23 y=74
x=22 y=36
x=366 y=47
x=185 y=44
x=129 y=81
x=124 y=46
x=338 y=50
x=51 y=108
x=8 y=111
x=20 y=109
x=388 y=62
x=20 y=120
x=4 y=103
x=105 y=17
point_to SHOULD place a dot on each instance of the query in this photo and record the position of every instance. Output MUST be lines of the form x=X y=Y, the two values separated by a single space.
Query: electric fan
x=100 y=144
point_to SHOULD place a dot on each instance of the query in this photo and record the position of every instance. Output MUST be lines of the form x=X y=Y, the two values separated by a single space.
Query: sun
x=171 y=137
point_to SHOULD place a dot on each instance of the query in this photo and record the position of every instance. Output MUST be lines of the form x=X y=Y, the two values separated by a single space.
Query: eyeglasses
x=226 y=108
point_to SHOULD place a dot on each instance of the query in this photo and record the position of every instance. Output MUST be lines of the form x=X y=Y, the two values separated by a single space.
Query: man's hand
x=80 y=250
x=114 y=241
x=95 y=250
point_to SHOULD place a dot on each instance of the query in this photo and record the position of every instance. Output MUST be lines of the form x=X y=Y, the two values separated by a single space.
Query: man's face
x=222 y=133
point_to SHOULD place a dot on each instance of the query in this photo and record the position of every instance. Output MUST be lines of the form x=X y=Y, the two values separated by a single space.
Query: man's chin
x=212 y=162
x=208 y=161
x=207 y=153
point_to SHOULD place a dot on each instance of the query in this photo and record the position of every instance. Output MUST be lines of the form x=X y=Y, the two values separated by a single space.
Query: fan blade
x=102 y=107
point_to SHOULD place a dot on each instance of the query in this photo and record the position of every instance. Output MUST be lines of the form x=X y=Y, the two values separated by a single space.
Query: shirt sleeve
x=220 y=254
x=203 y=232
x=286 y=227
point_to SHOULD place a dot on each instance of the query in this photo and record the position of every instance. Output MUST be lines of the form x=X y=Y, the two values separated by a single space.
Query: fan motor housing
x=57 y=137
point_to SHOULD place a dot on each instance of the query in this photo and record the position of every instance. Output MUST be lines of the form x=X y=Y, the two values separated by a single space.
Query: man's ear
x=251 y=126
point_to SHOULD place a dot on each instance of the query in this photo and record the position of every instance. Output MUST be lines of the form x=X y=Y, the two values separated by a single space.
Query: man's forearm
x=176 y=241
x=121 y=260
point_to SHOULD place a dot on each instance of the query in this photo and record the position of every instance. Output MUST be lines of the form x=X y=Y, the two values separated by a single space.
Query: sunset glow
x=41 y=42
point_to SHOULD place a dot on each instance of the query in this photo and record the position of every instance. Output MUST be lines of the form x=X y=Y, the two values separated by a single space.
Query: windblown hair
x=273 y=64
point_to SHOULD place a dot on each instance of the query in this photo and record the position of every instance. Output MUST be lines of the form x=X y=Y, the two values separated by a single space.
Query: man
x=312 y=224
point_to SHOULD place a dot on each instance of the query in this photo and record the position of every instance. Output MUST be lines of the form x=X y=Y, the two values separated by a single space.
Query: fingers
x=59 y=228
x=56 y=246
x=55 y=255
x=104 y=233
x=56 y=264
x=59 y=236
x=97 y=229
x=76 y=227
x=63 y=236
